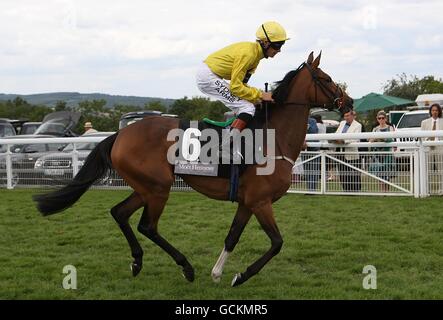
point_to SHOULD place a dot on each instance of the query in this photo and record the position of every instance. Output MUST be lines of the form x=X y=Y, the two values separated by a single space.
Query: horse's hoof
x=237 y=280
x=135 y=268
x=216 y=277
x=188 y=273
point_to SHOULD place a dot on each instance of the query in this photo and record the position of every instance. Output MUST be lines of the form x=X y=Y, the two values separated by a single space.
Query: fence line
x=413 y=168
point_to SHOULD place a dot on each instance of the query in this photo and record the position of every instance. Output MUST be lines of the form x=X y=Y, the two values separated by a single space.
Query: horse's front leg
x=238 y=225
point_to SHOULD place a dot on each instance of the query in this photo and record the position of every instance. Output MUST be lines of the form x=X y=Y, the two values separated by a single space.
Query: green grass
x=328 y=241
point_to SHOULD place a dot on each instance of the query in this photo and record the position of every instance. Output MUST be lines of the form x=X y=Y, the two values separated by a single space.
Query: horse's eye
x=329 y=80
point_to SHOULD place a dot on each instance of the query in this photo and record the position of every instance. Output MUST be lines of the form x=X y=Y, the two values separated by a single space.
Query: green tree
x=156 y=106
x=198 y=108
x=123 y=108
x=180 y=107
x=93 y=107
x=21 y=109
x=217 y=110
x=431 y=85
x=60 y=106
x=409 y=87
x=96 y=112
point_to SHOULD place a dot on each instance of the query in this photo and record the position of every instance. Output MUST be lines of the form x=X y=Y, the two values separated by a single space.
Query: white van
x=410 y=121
x=426 y=100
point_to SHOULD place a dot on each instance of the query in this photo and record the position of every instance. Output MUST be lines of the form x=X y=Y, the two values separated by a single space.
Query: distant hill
x=73 y=98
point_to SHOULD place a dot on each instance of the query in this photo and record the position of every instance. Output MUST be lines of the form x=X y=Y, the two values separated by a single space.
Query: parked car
x=6 y=128
x=395 y=115
x=24 y=157
x=409 y=121
x=29 y=127
x=331 y=118
x=131 y=117
x=57 y=167
x=170 y=115
x=60 y=124
x=22 y=126
x=426 y=100
x=412 y=120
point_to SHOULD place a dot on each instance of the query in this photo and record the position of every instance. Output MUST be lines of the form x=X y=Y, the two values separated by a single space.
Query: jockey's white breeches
x=214 y=86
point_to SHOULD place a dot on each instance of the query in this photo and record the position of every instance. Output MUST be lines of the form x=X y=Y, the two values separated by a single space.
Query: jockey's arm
x=238 y=88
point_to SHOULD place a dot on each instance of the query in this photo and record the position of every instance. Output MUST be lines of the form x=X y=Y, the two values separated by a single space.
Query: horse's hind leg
x=266 y=219
x=238 y=225
x=148 y=227
x=121 y=213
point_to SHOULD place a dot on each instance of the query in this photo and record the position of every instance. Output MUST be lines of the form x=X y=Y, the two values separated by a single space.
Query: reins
x=336 y=97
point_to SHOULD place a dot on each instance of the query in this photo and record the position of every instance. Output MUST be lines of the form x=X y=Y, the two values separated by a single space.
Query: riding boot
x=236 y=127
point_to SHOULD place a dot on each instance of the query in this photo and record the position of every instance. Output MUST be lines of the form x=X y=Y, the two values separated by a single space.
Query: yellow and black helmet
x=272 y=32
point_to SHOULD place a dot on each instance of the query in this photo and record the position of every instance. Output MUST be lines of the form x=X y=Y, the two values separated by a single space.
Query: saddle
x=229 y=170
x=222 y=170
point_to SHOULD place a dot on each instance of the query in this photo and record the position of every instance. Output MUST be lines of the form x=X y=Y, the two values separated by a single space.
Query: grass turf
x=328 y=241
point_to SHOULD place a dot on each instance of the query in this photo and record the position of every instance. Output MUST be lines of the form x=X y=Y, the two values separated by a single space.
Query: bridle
x=337 y=98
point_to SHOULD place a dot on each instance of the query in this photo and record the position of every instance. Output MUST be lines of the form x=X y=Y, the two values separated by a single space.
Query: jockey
x=236 y=63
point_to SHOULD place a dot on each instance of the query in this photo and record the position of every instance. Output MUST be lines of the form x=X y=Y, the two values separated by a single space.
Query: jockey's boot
x=236 y=127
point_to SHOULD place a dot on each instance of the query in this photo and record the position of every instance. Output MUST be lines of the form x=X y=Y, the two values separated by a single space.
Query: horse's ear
x=310 y=58
x=316 y=62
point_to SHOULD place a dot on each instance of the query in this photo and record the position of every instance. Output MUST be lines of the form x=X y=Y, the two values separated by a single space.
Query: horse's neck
x=290 y=130
x=290 y=123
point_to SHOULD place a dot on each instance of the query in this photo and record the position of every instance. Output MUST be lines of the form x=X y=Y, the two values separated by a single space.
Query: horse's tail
x=95 y=166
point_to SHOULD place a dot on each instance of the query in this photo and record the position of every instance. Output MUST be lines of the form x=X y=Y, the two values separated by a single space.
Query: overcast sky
x=152 y=48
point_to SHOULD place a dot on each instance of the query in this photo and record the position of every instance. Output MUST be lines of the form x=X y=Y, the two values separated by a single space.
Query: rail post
x=74 y=161
x=9 y=168
x=422 y=170
x=323 y=172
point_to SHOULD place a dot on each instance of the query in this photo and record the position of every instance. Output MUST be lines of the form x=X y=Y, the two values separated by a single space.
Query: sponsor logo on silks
x=193 y=156
x=225 y=92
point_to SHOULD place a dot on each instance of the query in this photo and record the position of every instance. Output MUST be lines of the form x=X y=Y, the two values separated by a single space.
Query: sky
x=153 y=48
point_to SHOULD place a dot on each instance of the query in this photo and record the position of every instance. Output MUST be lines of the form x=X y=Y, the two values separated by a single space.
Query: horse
x=138 y=153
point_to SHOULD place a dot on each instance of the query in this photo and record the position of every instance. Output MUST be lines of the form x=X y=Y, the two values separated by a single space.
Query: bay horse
x=138 y=153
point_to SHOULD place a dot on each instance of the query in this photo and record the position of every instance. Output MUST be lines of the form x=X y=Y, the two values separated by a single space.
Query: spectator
x=435 y=122
x=320 y=125
x=311 y=167
x=88 y=128
x=330 y=167
x=382 y=164
x=350 y=178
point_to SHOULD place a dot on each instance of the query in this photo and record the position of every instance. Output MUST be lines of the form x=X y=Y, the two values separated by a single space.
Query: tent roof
x=374 y=101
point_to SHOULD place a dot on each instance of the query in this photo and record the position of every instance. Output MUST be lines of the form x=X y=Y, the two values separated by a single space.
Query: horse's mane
x=280 y=93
